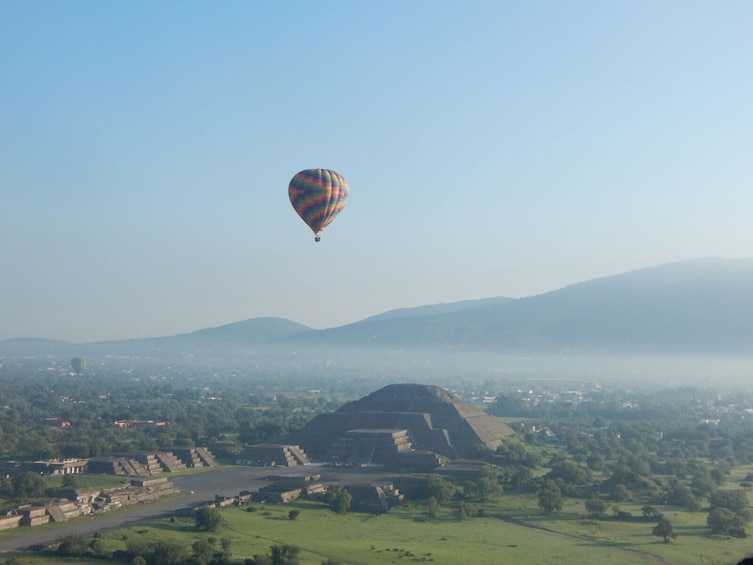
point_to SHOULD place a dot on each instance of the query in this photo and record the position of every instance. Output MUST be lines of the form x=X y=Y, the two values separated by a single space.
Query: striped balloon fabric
x=318 y=195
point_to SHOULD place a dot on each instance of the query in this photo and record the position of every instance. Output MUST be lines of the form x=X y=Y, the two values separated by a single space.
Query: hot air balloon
x=318 y=195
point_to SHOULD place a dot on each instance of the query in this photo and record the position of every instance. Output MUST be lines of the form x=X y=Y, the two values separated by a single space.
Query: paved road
x=197 y=488
x=223 y=481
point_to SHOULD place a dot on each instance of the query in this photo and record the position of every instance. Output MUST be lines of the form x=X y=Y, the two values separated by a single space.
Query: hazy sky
x=492 y=149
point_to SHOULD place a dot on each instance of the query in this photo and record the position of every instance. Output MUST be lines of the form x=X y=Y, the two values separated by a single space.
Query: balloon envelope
x=318 y=195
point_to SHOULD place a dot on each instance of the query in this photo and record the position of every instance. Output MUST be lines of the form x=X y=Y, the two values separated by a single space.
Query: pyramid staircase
x=206 y=457
x=370 y=446
x=133 y=467
x=194 y=456
x=169 y=461
x=299 y=454
x=274 y=454
x=152 y=463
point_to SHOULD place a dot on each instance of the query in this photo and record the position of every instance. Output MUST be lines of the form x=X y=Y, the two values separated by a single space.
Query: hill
x=256 y=330
x=434 y=309
x=702 y=306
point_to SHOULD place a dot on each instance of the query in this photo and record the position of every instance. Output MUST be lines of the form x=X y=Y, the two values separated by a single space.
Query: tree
x=167 y=552
x=702 y=483
x=293 y=514
x=208 y=518
x=440 y=488
x=550 y=498
x=651 y=512
x=595 y=462
x=432 y=506
x=28 y=485
x=479 y=451
x=725 y=521
x=466 y=510
x=719 y=520
x=570 y=473
x=521 y=477
x=338 y=499
x=735 y=500
x=596 y=506
x=665 y=530
x=284 y=554
x=692 y=504
x=225 y=544
x=487 y=488
x=74 y=545
x=621 y=494
x=680 y=495
x=203 y=552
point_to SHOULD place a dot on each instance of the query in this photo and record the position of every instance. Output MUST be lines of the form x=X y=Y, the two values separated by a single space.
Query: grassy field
x=407 y=535
x=694 y=544
x=512 y=530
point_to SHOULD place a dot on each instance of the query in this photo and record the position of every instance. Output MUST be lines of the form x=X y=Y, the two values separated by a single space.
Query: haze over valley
x=374 y=282
x=691 y=321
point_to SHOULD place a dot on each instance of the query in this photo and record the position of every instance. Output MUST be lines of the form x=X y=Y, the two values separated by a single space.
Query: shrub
x=208 y=518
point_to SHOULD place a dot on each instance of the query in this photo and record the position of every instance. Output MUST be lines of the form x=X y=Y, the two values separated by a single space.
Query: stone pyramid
x=435 y=421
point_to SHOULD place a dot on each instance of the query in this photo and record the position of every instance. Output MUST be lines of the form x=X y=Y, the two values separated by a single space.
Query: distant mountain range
x=702 y=306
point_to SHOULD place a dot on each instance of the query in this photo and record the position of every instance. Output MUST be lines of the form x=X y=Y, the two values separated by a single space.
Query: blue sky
x=492 y=149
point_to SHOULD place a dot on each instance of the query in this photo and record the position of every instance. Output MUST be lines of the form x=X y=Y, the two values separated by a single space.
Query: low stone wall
x=140 y=490
x=8 y=522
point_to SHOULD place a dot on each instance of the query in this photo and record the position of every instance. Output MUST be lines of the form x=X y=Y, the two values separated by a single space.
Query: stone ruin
x=373 y=498
x=72 y=502
x=145 y=464
x=401 y=426
x=273 y=454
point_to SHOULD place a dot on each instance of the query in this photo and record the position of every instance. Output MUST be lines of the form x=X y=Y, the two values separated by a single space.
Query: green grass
x=694 y=545
x=406 y=535
x=395 y=537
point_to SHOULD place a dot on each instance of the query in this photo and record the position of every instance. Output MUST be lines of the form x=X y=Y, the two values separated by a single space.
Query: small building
x=135 y=423
x=58 y=466
x=57 y=422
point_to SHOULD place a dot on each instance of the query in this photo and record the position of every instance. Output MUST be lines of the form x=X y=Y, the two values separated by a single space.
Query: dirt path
x=202 y=487
x=648 y=557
